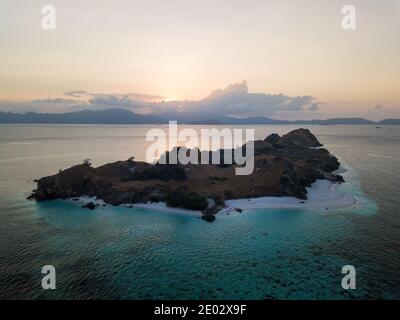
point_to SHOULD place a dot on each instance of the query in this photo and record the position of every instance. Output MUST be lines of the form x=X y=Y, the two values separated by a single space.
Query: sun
x=169 y=99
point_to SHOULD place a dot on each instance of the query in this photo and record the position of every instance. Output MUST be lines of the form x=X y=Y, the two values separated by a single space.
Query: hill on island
x=283 y=166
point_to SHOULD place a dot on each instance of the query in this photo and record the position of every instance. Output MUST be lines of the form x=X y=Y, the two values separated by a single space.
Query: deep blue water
x=127 y=253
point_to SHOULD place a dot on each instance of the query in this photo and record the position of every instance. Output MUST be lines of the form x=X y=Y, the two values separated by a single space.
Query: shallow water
x=142 y=253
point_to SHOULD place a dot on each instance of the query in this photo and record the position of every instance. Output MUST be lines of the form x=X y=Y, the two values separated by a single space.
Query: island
x=284 y=166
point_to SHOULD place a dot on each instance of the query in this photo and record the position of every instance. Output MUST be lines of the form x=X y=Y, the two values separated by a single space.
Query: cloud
x=76 y=94
x=54 y=101
x=114 y=96
x=313 y=107
x=113 y=101
x=235 y=100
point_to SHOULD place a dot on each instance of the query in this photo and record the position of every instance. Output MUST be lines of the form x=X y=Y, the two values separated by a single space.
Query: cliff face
x=283 y=166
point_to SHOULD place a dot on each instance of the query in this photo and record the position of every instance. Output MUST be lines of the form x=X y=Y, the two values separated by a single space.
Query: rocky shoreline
x=283 y=166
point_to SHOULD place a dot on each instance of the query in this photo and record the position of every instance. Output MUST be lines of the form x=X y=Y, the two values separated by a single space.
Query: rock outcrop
x=273 y=138
x=90 y=206
x=208 y=217
x=300 y=137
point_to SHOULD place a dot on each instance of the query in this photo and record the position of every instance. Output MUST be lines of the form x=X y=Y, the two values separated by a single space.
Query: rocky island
x=283 y=166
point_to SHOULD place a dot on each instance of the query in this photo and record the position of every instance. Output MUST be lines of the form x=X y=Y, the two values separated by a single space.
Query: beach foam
x=162 y=206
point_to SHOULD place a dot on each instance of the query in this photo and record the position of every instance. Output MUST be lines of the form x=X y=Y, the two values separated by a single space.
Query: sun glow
x=169 y=99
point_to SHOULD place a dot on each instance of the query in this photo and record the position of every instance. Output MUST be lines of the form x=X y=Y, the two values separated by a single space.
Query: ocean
x=137 y=253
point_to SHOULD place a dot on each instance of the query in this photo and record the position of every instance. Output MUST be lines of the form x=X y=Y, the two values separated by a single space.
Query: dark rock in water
x=31 y=196
x=208 y=217
x=90 y=205
x=332 y=177
x=272 y=138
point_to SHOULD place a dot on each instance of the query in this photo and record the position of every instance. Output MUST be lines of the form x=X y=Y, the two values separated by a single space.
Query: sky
x=283 y=59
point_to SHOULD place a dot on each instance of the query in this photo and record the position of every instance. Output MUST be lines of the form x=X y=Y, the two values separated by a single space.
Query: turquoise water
x=122 y=253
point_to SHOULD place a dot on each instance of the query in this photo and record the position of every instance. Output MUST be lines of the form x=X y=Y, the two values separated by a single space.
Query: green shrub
x=191 y=201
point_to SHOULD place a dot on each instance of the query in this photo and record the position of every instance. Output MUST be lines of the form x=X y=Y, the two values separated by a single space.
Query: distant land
x=123 y=116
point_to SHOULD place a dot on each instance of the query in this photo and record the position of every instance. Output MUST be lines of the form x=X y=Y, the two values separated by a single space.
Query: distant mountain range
x=108 y=116
x=123 y=116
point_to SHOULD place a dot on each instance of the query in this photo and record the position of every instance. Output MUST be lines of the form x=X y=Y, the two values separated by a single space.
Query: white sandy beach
x=322 y=195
